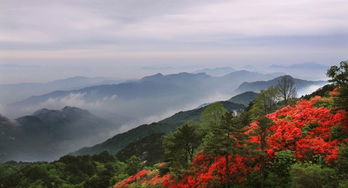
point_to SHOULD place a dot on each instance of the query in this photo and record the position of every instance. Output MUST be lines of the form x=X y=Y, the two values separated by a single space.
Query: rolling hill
x=131 y=100
x=49 y=134
x=120 y=141
x=244 y=98
x=10 y=93
x=261 y=85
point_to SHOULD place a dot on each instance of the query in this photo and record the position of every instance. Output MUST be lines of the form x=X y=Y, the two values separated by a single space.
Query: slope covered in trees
x=261 y=85
x=310 y=131
x=275 y=142
x=119 y=141
x=290 y=143
x=49 y=134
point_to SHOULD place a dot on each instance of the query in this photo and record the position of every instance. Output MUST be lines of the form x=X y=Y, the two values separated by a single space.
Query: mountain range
x=139 y=99
x=10 y=93
x=261 y=85
x=244 y=98
x=53 y=133
x=49 y=134
x=120 y=141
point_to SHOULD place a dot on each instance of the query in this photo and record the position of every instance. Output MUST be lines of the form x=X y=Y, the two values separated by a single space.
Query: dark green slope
x=49 y=134
x=244 y=98
x=261 y=85
x=120 y=141
x=148 y=149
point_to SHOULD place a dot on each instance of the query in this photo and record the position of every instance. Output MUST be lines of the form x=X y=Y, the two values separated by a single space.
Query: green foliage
x=329 y=103
x=323 y=91
x=104 y=157
x=244 y=98
x=212 y=114
x=226 y=138
x=262 y=133
x=341 y=101
x=282 y=163
x=9 y=168
x=148 y=149
x=339 y=77
x=337 y=132
x=342 y=162
x=343 y=183
x=339 y=74
x=305 y=175
x=133 y=165
x=265 y=102
x=180 y=146
x=96 y=171
x=102 y=179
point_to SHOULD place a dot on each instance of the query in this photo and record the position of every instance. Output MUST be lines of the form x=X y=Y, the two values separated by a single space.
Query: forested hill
x=288 y=142
x=118 y=142
x=261 y=85
x=303 y=144
x=277 y=141
x=49 y=134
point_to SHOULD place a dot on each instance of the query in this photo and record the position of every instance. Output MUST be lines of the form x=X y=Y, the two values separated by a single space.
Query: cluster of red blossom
x=302 y=128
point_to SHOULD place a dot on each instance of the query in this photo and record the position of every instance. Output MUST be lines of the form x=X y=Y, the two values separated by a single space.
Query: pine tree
x=261 y=132
x=339 y=77
x=226 y=139
x=133 y=165
x=179 y=146
x=265 y=103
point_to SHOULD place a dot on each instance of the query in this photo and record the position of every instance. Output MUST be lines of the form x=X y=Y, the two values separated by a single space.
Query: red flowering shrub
x=304 y=128
x=131 y=179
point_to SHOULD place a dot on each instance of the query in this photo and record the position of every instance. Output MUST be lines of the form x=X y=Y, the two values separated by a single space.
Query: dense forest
x=279 y=140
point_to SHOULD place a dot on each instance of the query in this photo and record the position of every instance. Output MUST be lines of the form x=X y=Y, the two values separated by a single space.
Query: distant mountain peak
x=71 y=108
x=153 y=77
x=218 y=71
x=180 y=75
x=261 y=85
x=244 y=98
x=74 y=110
x=284 y=76
x=66 y=110
x=41 y=111
x=306 y=65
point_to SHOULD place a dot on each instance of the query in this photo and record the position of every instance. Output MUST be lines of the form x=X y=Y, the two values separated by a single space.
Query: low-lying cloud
x=308 y=90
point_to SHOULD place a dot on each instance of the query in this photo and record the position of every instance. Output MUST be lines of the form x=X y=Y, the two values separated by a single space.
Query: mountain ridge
x=261 y=85
x=50 y=133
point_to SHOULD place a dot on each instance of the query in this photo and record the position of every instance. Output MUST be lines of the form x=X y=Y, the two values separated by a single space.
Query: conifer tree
x=226 y=139
x=265 y=103
x=179 y=146
x=261 y=132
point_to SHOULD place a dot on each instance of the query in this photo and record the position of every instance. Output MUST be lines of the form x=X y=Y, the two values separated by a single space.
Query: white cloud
x=310 y=89
x=148 y=31
x=106 y=20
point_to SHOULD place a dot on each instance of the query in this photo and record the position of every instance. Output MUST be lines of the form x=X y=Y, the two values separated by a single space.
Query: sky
x=44 y=40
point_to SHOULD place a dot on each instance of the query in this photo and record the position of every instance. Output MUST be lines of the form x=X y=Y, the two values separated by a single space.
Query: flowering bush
x=304 y=129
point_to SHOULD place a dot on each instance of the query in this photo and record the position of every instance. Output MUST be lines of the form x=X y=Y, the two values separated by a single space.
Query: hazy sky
x=51 y=39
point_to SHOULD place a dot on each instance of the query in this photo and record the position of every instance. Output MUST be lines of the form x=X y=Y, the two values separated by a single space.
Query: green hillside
x=118 y=142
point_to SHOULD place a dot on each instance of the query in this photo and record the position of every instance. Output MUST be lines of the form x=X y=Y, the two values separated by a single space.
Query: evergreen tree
x=133 y=165
x=226 y=139
x=265 y=103
x=339 y=77
x=261 y=132
x=212 y=114
x=339 y=74
x=179 y=146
